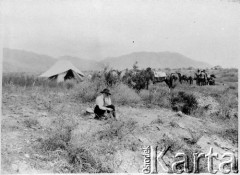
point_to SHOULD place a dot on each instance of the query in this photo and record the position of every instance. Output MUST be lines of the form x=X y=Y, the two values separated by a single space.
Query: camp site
x=120 y=87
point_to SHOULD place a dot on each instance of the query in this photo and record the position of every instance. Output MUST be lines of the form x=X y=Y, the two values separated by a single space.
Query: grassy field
x=45 y=128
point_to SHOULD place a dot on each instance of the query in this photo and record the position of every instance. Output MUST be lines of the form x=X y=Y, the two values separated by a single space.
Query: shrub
x=160 y=97
x=146 y=96
x=118 y=129
x=30 y=123
x=195 y=136
x=173 y=124
x=58 y=139
x=87 y=91
x=156 y=95
x=230 y=134
x=19 y=79
x=157 y=121
x=59 y=133
x=228 y=101
x=123 y=95
x=74 y=159
x=169 y=143
x=26 y=80
x=84 y=162
x=184 y=102
x=69 y=84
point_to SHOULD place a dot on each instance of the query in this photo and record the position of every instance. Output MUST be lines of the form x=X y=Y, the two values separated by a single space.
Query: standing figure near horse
x=201 y=77
x=190 y=80
x=204 y=75
x=197 y=77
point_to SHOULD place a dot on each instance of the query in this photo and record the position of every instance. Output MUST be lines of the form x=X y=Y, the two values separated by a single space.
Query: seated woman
x=104 y=104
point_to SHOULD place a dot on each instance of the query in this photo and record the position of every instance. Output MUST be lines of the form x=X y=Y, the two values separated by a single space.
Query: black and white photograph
x=119 y=86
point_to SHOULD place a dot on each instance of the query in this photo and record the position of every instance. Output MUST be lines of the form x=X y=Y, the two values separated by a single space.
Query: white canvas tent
x=63 y=70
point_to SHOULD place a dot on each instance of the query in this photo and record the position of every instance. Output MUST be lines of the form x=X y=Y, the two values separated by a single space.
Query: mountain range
x=24 y=61
x=153 y=60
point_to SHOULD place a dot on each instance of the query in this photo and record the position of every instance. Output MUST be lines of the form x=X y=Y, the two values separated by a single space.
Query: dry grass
x=118 y=129
x=156 y=95
x=95 y=152
x=157 y=121
x=31 y=123
x=123 y=95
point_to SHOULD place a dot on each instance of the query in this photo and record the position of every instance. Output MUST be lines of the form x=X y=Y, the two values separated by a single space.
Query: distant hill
x=154 y=60
x=24 y=61
x=83 y=64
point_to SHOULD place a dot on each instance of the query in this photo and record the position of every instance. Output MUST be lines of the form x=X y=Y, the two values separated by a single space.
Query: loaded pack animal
x=184 y=78
x=169 y=79
x=211 y=79
x=172 y=79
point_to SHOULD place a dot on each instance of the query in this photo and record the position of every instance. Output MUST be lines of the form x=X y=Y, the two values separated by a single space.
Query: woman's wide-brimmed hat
x=106 y=91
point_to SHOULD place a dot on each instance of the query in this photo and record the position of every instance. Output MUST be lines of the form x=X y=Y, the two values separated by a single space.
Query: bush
x=19 y=79
x=184 y=102
x=84 y=162
x=59 y=133
x=74 y=159
x=118 y=130
x=69 y=84
x=156 y=95
x=87 y=91
x=157 y=121
x=167 y=142
x=146 y=96
x=58 y=139
x=26 y=80
x=227 y=102
x=123 y=95
x=195 y=136
x=230 y=134
x=31 y=123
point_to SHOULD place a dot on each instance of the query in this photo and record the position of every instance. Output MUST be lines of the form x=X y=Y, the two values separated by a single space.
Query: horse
x=184 y=78
x=211 y=79
x=169 y=79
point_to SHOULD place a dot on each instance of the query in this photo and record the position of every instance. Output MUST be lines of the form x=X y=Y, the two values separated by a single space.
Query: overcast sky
x=204 y=30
